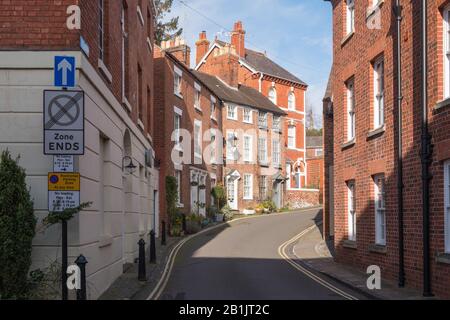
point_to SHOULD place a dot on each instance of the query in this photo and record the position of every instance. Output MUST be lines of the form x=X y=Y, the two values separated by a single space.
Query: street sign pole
x=64 y=262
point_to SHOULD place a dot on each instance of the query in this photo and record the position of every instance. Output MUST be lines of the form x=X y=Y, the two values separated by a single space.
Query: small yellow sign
x=63 y=182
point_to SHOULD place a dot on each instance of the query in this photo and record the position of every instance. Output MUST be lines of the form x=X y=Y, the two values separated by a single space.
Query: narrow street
x=241 y=262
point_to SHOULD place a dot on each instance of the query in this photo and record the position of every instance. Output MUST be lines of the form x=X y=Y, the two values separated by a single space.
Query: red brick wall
x=372 y=155
x=328 y=141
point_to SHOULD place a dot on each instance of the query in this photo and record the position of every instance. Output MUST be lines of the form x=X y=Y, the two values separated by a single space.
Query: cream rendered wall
x=108 y=238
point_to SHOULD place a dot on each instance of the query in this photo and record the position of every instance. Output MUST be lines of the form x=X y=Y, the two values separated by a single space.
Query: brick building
x=184 y=102
x=114 y=58
x=361 y=116
x=314 y=163
x=235 y=64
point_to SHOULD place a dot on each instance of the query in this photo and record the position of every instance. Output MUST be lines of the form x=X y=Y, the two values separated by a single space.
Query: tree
x=165 y=29
x=17 y=229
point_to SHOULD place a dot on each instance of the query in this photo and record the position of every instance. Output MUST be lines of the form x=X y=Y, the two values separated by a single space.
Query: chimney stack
x=202 y=46
x=179 y=49
x=238 y=39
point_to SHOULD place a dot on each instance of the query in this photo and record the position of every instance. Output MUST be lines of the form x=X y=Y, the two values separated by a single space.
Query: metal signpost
x=64 y=139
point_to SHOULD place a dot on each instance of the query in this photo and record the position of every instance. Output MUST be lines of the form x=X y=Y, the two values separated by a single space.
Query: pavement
x=316 y=254
x=241 y=260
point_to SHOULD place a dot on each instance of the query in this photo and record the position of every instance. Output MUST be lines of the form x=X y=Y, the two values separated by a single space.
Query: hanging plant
x=194 y=184
x=202 y=187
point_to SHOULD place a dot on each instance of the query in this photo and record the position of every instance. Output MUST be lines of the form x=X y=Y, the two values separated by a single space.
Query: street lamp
x=128 y=165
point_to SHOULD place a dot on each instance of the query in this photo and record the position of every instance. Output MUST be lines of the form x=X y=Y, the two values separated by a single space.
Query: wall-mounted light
x=128 y=165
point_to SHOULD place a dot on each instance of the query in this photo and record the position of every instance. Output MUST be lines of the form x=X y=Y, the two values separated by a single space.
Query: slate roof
x=260 y=62
x=314 y=142
x=244 y=96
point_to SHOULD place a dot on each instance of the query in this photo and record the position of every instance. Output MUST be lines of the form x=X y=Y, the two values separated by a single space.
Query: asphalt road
x=241 y=262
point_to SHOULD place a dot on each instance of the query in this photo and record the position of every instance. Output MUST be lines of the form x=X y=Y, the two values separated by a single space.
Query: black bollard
x=184 y=223
x=152 y=247
x=163 y=235
x=142 y=274
x=81 y=263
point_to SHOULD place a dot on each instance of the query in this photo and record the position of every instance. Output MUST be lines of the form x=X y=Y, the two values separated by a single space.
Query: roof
x=314 y=142
x=243 y=95
x=328 y=92
x=261 y=63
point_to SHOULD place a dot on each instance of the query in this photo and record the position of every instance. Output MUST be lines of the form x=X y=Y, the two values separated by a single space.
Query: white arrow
x=65 y=66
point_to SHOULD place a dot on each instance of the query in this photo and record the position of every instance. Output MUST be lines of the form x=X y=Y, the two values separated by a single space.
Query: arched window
x=291 y=101
x=273 y=95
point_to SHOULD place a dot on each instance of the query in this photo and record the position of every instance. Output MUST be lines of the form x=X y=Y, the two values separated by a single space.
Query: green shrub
x=171 y=199
x=227 y=212
x=220 y=196
x=17 y=229
x=269 y=205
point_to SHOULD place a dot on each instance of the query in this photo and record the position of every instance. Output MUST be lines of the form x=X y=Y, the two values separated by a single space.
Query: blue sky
x=294 y=33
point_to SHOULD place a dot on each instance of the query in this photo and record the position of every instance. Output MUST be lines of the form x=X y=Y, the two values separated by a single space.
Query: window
x=177 y=127
x=178 y=74
x=248 y=115
x=262 y=150
x=198 y=139
x=263 y=188
x=350 y=16
x=178 y=177
x=447 y=205
x=140 y=95
x=298 y=179
x=380 y=210
x=276 y=123
x=248 y=141
x=213 y=147
x=378 y=81
x=351 y=207
x=319 y=152
x=291 y=137
x=276 y=153
x=248 y=186
x=446 y=52
x=262 y=120
x=351 y=118
x=291 y=101
x=273 y=95
x=124 y=22
x=101 y=29
x=231 y=146
x=197 y=97
x=213 y=108
x=232 y=112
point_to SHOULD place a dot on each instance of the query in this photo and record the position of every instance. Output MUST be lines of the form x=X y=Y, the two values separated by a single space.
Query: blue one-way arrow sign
x=65 y=71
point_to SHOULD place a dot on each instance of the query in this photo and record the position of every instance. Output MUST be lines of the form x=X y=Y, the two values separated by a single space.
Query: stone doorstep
x=352 y=277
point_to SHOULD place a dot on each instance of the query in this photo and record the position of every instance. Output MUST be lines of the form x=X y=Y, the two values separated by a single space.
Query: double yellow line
x=326 y=284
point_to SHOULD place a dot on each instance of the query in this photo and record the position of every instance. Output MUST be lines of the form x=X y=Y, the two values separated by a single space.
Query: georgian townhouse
x=114 y=67
x=256 y=70
x=187 y=124
x=387 y=140
x=253 y=154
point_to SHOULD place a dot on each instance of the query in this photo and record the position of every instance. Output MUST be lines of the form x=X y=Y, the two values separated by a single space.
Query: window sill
x=348 y=144
x=443 y=258
x=149 y=44
x=179 y=95
x=349 y=244
x=197 y=108
x=372 y=10
x=141 y=17
x=104 y=70
x=180 y=205
x=141 y=124
x=127 y=104
x=442 y=104
x=376 y=132
x=347 y=38
x=264 y=164
x=377 y=248
x=214 y=119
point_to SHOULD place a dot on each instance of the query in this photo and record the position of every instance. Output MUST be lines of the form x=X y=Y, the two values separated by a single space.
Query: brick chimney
x=202 y=46
x=238 y=39
x=178 y=48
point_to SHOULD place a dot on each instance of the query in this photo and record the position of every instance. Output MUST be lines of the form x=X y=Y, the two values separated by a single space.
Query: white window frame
x=197 y=96
x=380 y=209
x=276 y=153
x=231 y=149
x=198 y=139
x=291 y=101
x=446 y=53
x=262 y=150
x=101 y=29
x=248 y=186
x=248 y=115
x=276 y=123
x=213 y=107
x=349 y=16
x=351 y=211
x=378 y=93
x=213 y=150
x=273 y=95
x=177 y=78
x=178 y=177
x=262 y=186
x=447 y=204
x=232 y=112
x=292 y=139
x=177 y=119
x=262 y=119
x=351 y=115
x=248 y=148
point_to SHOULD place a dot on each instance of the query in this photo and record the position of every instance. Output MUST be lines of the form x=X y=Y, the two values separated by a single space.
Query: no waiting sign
x=63 y=122
x=63 y=191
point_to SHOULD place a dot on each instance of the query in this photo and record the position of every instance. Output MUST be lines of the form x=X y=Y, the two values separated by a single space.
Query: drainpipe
x=426 y=156
x=401 y=249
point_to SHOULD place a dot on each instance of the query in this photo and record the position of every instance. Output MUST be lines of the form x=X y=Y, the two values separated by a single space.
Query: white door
x=277 y=194
x=202 y=201
x=232 y=190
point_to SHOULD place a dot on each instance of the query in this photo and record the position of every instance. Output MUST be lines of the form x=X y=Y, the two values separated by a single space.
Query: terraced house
x=234 y=62
x=387 y=140
x=114 y=67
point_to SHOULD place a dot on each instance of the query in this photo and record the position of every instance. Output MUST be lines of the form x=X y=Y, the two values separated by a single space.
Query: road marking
x=162 y=283
x=326 y=284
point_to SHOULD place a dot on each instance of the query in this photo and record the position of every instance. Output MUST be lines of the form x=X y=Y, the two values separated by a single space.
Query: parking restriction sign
x=63 y=191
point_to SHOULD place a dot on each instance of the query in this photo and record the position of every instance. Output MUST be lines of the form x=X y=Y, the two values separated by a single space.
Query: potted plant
x=269 y=206
x=193 y=223
x=249 y=211
x=259 y=209
x=227 y=213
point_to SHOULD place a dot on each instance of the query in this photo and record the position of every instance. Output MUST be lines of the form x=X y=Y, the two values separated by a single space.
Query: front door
x=202 y=201
x=232 y=191
x=277 y=194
